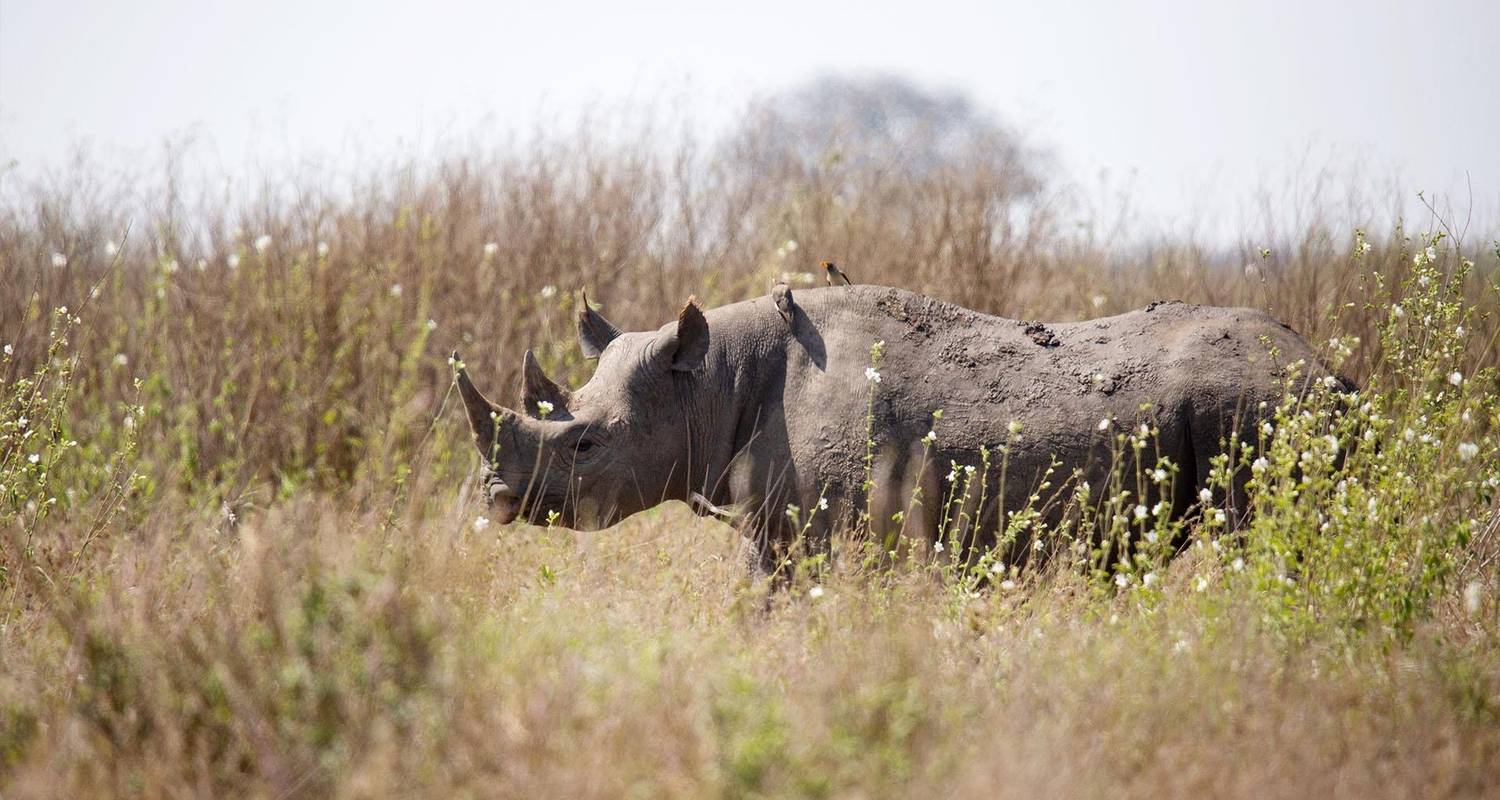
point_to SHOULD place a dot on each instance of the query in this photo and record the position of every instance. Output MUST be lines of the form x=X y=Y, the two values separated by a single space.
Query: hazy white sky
x=1197 y=100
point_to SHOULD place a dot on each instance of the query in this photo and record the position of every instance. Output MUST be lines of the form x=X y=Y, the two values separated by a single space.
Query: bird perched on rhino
x=782 y=294
x=835 y=276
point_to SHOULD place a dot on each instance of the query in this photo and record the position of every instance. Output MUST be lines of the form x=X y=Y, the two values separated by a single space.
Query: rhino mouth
x=505 y=504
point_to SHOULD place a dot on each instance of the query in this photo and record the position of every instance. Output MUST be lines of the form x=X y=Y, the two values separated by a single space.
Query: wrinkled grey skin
x=754 y=413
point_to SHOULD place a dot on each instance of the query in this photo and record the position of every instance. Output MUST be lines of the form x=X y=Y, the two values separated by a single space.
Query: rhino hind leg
x=1212 y=430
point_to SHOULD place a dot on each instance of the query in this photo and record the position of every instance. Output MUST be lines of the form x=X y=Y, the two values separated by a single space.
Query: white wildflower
x=1206 y=495
x=322 y=249
x=480 y=523
x=121 y=359
x=815 y=592
x=544 y=407
x=262 y=242
x=110 y=248
x=1238 y=565
x=1159 y=475
x=1141 y=512
x=491 y=248
x=930 y=438
x=1098 y=300
x=872 y=375
x=1259 y=465
x=33 y=458
x=59 y=260
x=1122 y=580
x=1200 y=584
x=822 y=504
x=937 y=547
x=997 y=567
x=233 y=261
x=396 y=290
x=1468 y=450
x=10 y=350
x=1007 y=584
x=1148 y=579
x=1014 y=427
x=431 y=324
x=791 y=245
x=549 y=291
x=969 y=470
x=1398 y=312
x=1104 y=424
x=1456 y=378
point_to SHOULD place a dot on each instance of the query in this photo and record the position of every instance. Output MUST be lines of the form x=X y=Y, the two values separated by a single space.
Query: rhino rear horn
x=537 y=388
x=483 y=415
x=594 y=331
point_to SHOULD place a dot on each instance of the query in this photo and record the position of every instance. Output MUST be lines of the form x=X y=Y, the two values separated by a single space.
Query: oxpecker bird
x=835 y=277
x=782 y=294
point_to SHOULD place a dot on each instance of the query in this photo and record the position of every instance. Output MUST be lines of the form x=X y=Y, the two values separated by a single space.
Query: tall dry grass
x=291 y=596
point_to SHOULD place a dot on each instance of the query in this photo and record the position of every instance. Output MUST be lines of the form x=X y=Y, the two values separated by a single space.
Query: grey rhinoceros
x=753 y=409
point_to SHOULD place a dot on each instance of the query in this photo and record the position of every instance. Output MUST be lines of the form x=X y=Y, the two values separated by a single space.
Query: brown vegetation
x=294 y=600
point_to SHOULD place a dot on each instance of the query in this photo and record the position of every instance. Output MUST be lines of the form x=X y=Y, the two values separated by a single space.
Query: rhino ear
x=685 y=344
x=537 y=388
x=483 y=415
x=594 y=331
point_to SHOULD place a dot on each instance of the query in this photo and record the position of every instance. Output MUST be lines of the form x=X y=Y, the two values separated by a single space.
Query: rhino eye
x=583 y=447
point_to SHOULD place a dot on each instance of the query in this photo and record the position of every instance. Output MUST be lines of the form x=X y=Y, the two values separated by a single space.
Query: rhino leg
x=1208 y=436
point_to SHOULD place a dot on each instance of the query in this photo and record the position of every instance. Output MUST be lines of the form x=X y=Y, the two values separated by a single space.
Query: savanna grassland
x=241 y=552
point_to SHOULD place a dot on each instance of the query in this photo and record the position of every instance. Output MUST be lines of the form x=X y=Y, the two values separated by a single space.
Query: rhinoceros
x=800 y=414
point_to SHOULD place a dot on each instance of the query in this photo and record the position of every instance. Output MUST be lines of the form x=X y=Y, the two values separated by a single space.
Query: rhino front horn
x=483 y=415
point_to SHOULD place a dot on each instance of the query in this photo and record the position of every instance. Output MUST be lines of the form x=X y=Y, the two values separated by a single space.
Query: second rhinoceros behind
x=757 y=408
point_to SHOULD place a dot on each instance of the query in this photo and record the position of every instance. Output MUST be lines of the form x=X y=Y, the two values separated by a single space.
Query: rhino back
x=1057 y=380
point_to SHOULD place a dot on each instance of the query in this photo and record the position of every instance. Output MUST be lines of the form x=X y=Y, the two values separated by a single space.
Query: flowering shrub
x=43 y=466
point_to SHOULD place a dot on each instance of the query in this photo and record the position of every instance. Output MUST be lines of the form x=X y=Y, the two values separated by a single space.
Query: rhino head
x=589 y=457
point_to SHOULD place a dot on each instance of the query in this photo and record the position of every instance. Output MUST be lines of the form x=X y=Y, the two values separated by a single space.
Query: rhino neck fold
x=713 y=402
